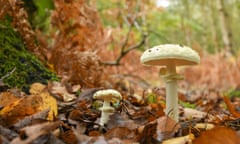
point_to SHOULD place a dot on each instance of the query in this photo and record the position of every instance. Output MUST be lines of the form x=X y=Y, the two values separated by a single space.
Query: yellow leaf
x=48 y=102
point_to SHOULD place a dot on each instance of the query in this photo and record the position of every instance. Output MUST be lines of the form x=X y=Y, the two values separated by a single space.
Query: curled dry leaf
x=166 y=128
x=60 y=92
x=147 y=133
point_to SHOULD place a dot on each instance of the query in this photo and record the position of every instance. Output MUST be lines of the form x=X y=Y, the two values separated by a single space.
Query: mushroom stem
x=171 y=94
x=106 y=103
x=104 y=118
x=104 y=115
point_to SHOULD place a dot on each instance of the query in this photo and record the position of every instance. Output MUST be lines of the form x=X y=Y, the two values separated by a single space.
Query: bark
x=225 y=27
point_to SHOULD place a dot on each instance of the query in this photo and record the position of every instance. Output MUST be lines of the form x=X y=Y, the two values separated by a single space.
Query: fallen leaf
x=204 y=126
x=40 y=100
x=6 y=98
x=31 y=133
x=190 y=113
x=60 y=91
x=121 y=120
x=122 y=133
x=7 y=133
x=69 y=137
x=147 y=133
x=166 y=128
x=49 y=102
x=30 y=119
x=231 y=108
x=180 y=140
x=218 y=135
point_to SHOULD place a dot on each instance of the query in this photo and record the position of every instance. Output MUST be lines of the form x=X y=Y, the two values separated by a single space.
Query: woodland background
x=96 y=44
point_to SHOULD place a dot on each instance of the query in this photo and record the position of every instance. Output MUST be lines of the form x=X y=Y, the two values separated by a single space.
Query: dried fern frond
x=4 y=8
x=76 y=33
x=81 y=68
x=22 y=25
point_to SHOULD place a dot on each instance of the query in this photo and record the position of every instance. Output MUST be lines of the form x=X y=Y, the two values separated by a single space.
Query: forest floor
x=63 y=113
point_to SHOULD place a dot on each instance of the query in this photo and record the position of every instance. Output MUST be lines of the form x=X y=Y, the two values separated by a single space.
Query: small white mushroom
x=107 y=96
x=170 y=56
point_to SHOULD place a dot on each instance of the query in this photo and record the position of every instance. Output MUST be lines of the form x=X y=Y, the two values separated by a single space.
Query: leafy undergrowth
x=63 y=113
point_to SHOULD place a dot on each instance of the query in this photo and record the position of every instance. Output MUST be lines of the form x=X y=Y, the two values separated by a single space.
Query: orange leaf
x=218 y=135
x=231 y=107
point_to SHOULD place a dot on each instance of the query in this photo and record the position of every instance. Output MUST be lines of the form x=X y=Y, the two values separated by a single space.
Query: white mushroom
x=170 y=55
x=107 y=96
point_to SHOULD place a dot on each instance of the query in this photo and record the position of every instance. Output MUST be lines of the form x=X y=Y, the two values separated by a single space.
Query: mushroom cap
x=107 y=94
x=166 y=54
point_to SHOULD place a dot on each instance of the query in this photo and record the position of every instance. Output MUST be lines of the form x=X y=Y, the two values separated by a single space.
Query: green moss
x=28 y=69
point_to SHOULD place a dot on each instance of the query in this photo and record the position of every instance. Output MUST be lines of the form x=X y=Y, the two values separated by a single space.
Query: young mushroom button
x=107 y=96
x=170 y=56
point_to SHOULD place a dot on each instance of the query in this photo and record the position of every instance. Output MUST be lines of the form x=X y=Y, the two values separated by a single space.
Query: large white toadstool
x=107 y=96
x=170 y=56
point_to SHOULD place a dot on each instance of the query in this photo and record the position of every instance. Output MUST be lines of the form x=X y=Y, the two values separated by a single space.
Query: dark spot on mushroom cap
x=180 y=45
x=149 y=50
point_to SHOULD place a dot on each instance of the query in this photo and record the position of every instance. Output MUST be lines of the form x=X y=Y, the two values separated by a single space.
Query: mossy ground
x=28 y=69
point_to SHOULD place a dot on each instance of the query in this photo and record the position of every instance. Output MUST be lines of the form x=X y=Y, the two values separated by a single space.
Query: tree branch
x=124 y=51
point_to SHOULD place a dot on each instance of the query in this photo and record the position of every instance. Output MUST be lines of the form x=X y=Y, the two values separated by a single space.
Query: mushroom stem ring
x=171 y=77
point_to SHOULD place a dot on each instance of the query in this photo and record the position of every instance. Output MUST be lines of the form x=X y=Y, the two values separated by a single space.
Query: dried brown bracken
x=78 y=36
x=20 y=22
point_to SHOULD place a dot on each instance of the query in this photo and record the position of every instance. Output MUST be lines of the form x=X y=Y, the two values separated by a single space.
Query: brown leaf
x=218 y=135
x=120 y=132
x=121 y=120
x=146 y=135
x=166 y=128
x=30 y=119
x=60 y=92
x=8 y=133
x=31 y=133
x=69 y=137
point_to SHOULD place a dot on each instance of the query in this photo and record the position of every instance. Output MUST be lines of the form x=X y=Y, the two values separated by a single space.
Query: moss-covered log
x=13 y=55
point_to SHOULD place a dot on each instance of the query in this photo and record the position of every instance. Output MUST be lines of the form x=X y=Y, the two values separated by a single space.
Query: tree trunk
x=213 y=24
x=225 y=27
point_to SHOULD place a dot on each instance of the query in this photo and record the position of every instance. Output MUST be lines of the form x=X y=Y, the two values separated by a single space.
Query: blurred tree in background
x=210 y=26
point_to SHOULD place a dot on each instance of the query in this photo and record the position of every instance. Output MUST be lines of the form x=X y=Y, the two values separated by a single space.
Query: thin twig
x=8 y=74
